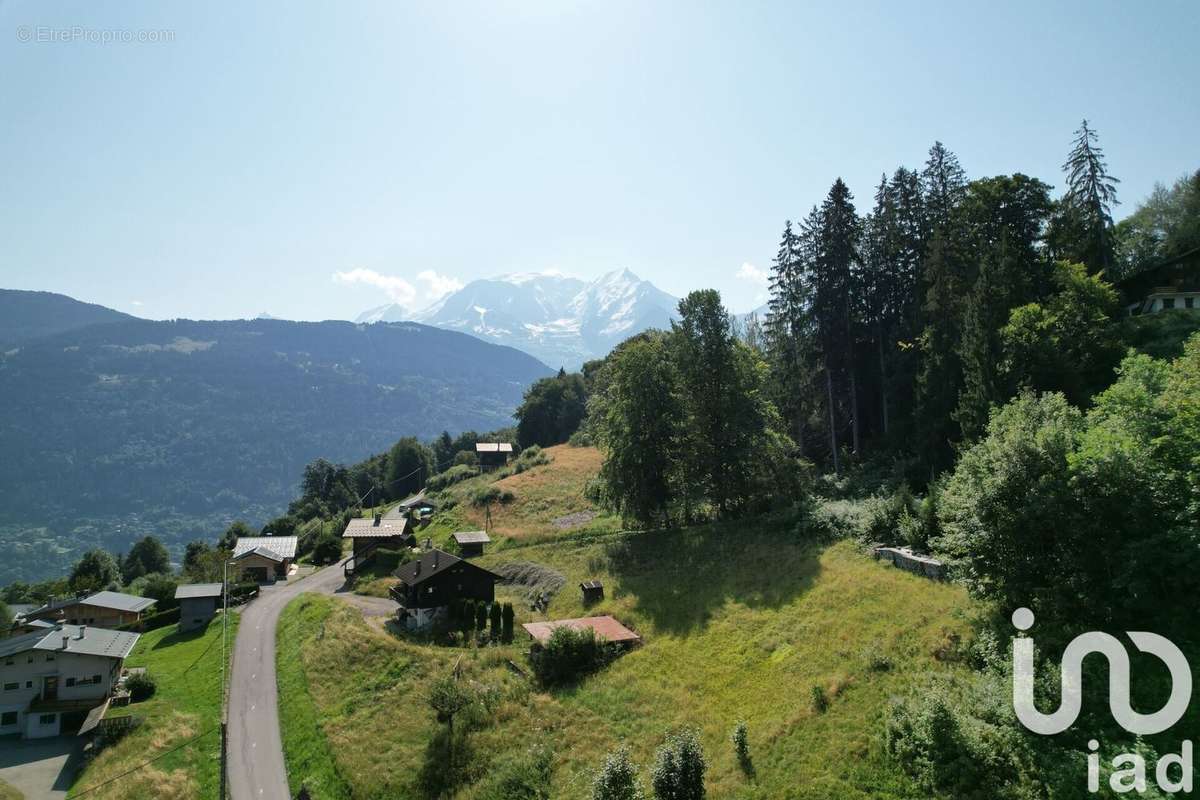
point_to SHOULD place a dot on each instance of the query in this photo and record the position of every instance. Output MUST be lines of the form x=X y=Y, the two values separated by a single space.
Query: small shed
x=593 y=591
x=198 y=603
x=605 y=627
x=493 y=455
x=471 y=543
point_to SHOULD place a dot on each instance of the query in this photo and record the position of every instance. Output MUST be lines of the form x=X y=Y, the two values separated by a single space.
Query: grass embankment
x=741 y=622
x=9 y=792
x=187 y=703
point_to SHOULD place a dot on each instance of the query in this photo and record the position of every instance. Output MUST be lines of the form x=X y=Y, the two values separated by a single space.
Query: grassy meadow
x=740 y=622
x=187 y=703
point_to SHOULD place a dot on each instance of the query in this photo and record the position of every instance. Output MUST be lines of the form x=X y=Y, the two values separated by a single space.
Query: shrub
x=679 y=765
x=877 y=660
x=141 y=686
x=617 y=778
x=820 y=701
x=327 y=549
x=508 y=617
x=456 y=474
x=741 y=745
x=570 y=655
x=580 y=438
x=481 y=616
x=494 y=622
x=486 y=495
x=526 y=777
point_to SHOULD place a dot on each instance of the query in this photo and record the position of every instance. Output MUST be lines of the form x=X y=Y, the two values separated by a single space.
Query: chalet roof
x=262 y=552
x=471 y=537
x=281 y=546
x=362 y=528
x=81 y=640
x=190 y=590
x=493 y=447
x=119 y=601
x=605 y=627
x=429 y=564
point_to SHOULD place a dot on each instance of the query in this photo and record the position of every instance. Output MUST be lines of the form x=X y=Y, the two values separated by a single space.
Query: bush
x=580 y=438
x=485 y=495
x=617 y=778
x=741 y=745
x=494 y=622
x=526 y=777
x=455 y=474
x=141 y=686
x=678 y=772
x=570 y=655
x=240 y=593
x=820 y=701
x=508 y=618
x=327 y=549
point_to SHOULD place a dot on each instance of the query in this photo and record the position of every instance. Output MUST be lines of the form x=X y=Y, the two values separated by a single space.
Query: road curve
x=256 y=770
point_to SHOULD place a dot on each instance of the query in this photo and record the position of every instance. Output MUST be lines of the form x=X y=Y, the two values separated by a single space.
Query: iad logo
x=1133 y=778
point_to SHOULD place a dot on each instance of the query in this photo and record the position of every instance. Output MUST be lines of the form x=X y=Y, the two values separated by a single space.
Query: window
x=70 y=681
x=28 y=684
x=48 y=719
x=50 y=656
x=8 y=662
x=1189 y=302
x=95 y=679
x=1168 y=302
x=8 y=718
x=11 y=687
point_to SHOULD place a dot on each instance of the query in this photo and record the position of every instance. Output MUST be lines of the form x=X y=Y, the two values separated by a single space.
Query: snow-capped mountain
x=561 y=320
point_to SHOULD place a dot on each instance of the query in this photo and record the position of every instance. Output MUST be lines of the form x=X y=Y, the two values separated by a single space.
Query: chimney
x=435 y=559
x=82 y=630
x=66 y=642
x=417 y=571
x=378 y=517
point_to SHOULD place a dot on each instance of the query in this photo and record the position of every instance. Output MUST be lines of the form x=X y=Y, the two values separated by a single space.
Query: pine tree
x=494 y=622
x=944 y=185
x=1087 y=205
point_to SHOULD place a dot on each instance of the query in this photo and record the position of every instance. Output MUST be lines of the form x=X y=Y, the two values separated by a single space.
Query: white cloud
x=400 y=291
x=137 y=303
x=438 y=286
x=751 y=273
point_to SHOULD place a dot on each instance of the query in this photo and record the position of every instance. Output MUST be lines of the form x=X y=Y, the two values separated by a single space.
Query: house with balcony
x=55 y=679
x=431 y=582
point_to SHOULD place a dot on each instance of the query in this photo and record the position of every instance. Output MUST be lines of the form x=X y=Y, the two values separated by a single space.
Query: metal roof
x=362 y=528
x=80 y=639
x=605 y=627
x=119 y=601
x=190 y=590
x=418 y=499
x=283 y=546
x=472 y=537
x=493 y=447
x=264 y=552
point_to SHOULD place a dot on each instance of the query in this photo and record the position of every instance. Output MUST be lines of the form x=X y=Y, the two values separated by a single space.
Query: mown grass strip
x=306 y=750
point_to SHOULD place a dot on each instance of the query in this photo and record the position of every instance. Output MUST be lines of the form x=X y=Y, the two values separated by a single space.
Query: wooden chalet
x=1173 y=284
x=493 y=455
x=431 y=582
x=368 y=535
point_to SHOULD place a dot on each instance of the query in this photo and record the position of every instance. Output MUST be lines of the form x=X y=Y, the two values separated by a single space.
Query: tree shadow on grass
x=447 y=768
x=180 y=638
x=680 y=577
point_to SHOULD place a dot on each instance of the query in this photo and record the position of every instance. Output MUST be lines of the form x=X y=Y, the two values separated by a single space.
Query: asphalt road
x=256 y=770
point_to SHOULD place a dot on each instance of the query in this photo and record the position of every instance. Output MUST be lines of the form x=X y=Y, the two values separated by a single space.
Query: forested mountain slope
x=175 y=427
x=29 y=315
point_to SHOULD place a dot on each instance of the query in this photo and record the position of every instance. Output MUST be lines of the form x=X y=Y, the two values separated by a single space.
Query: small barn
x=264 y=559
x=434 y=580
x=471 y=543
x=198 y=604
x=493 y=455
x=605 y=628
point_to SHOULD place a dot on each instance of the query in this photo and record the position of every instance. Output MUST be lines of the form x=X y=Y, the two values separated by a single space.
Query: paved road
x=256 y=770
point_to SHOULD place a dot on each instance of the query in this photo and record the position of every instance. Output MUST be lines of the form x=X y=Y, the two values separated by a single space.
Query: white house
x=51 y=678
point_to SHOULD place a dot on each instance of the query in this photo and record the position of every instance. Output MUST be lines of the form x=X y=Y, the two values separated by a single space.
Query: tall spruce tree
x=1084 y=226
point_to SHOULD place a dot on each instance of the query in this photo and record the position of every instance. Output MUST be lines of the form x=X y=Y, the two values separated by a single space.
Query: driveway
x=40 y=768
x=256 y=770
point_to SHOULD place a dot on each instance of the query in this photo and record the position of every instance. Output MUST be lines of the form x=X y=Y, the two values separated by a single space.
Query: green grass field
x=187 y=704
x=740 y=622
x=8 y=792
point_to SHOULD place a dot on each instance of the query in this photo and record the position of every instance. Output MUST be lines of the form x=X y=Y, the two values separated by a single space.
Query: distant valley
x=122 y=427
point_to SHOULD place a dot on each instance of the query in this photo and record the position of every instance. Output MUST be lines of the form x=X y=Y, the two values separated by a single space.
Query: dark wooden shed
x=471 y=543
x=593 y=591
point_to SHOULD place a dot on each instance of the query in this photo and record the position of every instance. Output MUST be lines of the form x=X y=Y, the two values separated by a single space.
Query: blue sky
x=260 y=149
